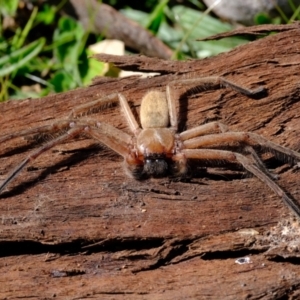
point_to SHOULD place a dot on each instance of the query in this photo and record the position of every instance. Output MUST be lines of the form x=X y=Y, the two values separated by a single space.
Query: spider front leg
x=104 y=133
x=62 y=124
x=93 y=106
x=211 y=154
x=98 y=104
x=110 y=136
x=46 y=129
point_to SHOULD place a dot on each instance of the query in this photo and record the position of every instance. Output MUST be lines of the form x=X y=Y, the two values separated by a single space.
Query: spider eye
x=156 y=166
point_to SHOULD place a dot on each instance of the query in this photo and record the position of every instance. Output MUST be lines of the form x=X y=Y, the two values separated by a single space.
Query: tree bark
x=74 y=225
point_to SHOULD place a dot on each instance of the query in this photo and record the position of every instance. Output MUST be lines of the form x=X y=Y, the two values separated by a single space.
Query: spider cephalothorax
x=156 y=148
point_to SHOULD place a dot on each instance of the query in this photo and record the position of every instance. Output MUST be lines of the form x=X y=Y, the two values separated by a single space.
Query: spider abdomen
x=154 y=111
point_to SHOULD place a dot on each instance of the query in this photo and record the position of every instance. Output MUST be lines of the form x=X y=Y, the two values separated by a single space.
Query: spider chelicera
x=156 y=148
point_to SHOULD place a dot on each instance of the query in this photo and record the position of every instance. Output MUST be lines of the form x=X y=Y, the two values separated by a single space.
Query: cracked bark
x=73 y=225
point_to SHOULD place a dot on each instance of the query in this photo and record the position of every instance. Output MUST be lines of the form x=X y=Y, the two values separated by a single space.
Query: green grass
x=49 y=53
x=57 y=62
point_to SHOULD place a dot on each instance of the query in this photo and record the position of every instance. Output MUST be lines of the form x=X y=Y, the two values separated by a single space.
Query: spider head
x=155 y=165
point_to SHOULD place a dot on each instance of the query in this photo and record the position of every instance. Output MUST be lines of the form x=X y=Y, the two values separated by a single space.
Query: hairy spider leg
x=199 y=84
x=133 y=124
x=248 y=138
x=171 y=99
x=36 y=153
x=209 y=82
x=88 y=108
x=197 y=137
x=209 y=128
x=211 y=154
x=203 y=130
x=112 y=137
x=59 y=125
x=52 y=128
x=92 y=106
x=259 y=162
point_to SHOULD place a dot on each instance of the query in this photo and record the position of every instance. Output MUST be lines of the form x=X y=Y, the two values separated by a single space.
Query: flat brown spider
x=156 y=148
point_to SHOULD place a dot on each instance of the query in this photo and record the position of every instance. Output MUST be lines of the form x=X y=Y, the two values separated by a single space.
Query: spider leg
x=55 y=127
x=211 y=154
x=247 y=138
x=104 y=133
x=97 y=104
x=36 y=153
x=78 y=111
x=93 y=106
x=241 y=89
x=221 y=128
x=259 y=162
x=199 y=84
x=133 y=124
x=211 y=82
x=108 y=135
x=202 y=130
x=171 y=99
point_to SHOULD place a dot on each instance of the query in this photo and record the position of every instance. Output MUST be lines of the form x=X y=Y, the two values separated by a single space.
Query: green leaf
x=262 y=18
x=46 y=15
x=93 y=68
x=62 y=81
x=136 y=15
x=196 y=25
x=69 y=44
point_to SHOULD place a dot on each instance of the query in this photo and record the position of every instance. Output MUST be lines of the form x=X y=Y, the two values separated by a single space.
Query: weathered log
x=73 y=225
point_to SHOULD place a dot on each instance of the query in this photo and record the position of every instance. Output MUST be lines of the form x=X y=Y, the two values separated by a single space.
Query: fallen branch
x=77 y=199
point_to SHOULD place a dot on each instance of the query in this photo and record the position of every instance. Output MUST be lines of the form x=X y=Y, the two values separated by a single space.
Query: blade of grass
x=156 y=14
x=282 y=14
x=27 y=28
x=18 y=53
x=39 y=44
x=38 y=80
x=292 y=5
x=4 y=88
x=296 y=15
